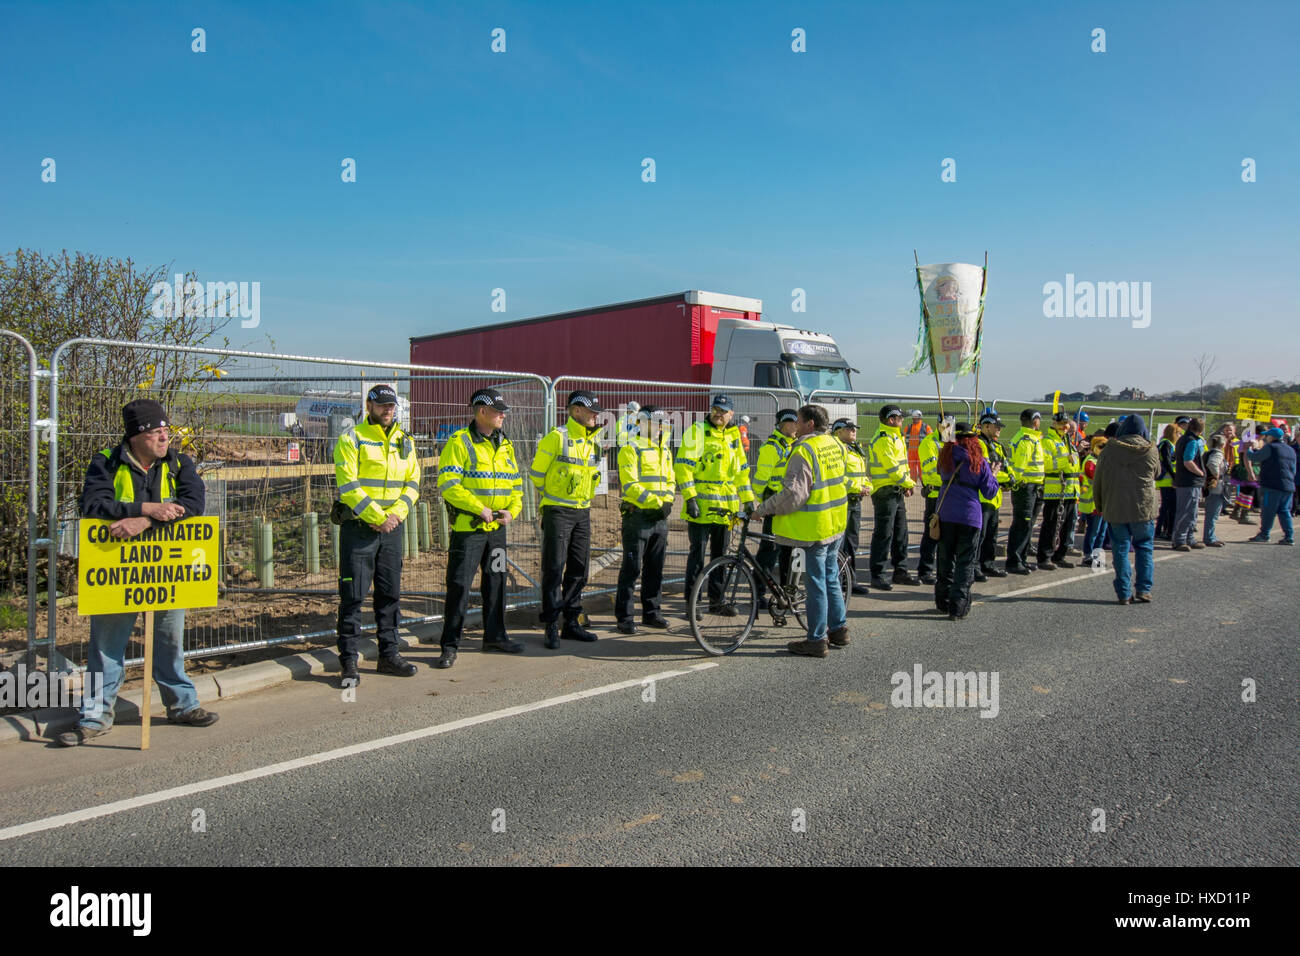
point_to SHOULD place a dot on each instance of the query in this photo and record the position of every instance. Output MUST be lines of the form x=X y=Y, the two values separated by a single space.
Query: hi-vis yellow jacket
x=856 y=481
x=994 y=452
x=773 y=456
x=377 y=474
x=645 y=471
x=887 y=459
x=566 y=467
x=477 y=472
x=711 y=466
x=1027 y=457
x=928 y=452
x=1060 y=468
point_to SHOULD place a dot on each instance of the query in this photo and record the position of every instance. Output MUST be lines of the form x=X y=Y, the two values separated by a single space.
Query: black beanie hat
x=143 y=415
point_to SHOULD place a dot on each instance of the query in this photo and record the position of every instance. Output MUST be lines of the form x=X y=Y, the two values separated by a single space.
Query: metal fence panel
x=19 y=485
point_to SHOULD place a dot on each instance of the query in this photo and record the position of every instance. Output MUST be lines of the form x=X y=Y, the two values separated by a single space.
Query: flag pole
x=926 y=312
x=979 y=333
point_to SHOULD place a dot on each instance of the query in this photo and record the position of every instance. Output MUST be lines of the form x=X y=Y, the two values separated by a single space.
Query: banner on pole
x=1254 y=409
x=952 y=313
x=164 y=567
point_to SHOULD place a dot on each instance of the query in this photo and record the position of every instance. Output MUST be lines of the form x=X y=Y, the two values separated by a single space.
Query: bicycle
x=722 y=625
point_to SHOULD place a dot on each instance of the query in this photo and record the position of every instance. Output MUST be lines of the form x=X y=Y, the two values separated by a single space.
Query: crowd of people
x=1117 y=487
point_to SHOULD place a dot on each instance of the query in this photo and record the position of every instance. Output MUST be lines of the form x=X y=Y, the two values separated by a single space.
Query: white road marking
x=120 y=806
x=1108 y=573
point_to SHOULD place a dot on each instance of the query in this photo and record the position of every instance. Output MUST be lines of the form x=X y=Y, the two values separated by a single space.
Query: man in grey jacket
x=1124 y=488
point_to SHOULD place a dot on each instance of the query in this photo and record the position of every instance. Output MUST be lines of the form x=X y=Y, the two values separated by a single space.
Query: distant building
x=1133 y=395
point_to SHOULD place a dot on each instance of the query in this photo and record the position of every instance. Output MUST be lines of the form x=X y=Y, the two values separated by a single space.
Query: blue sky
x=775 y=170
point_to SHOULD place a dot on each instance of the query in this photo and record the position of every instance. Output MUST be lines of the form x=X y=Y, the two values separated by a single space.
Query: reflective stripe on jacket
x=377 y=474
x=566 y=467
x=476 y=472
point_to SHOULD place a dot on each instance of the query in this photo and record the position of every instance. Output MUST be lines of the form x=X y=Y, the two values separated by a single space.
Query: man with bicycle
x=811 y=513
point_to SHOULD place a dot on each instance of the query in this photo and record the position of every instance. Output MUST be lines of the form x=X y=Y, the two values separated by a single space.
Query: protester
x=1189 y=482
x=141 y=483
x=1124 y=488
x=1276 y=462
x=966 y=475
x=1216 y=487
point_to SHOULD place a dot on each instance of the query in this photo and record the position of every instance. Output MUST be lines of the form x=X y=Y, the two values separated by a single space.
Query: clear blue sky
x=775 y=170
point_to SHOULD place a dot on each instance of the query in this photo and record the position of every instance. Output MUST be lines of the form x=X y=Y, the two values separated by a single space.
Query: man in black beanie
x=141 y=482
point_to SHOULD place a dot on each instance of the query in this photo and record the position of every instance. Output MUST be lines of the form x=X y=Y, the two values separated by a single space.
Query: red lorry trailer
x=667 y=339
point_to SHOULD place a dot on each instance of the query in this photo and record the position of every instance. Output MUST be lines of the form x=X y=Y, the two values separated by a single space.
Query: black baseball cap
x=1183 y=420
x=1029 y=414
x=584 y=398
x=1060 y=417
x=724 y=402
x=491 y=398
x=889 y=411
x=843 y=423
x=787 y=415
x=990 y=417
x=382 y=395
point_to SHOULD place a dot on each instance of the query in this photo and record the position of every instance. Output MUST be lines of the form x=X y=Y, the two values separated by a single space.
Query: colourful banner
x=952 y=313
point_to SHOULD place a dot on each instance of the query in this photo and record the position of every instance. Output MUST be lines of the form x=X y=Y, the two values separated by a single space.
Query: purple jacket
x=960 y=503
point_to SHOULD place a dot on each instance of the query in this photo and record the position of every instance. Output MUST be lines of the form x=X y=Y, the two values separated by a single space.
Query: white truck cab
x=775 y=355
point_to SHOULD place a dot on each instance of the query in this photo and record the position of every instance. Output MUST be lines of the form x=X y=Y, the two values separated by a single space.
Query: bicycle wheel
x=846 y=577
x=721 y=627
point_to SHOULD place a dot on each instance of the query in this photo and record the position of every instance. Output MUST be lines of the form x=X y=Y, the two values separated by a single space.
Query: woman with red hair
x=966 y=475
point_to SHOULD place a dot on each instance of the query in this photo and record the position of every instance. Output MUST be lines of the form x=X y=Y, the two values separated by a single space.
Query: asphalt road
x=1136 y=711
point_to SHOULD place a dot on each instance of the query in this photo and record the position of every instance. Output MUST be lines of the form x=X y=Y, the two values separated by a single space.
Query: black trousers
x=1165 y=518
x=928 y=544
x=989 y=537
x=772 y=557
x=1058 y=522
x=716 y=536
x=566 y=552
x=849 y=543
x=1025 y=505
x=889 y=536
x=645 y=545
x=367 y=557
x=958 y=547
x=484 y=552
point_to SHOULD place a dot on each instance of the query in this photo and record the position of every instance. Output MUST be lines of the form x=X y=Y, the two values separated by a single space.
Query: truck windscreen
x=809 y=378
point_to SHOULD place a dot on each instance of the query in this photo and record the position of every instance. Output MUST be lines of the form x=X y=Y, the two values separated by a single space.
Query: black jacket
x=99 y=499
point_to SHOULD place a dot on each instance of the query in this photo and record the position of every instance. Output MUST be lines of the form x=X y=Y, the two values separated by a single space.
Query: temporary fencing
x=19 y=479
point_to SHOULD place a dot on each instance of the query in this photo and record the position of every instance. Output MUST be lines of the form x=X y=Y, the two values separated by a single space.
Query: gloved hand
x=693 y=508
x=666 y=511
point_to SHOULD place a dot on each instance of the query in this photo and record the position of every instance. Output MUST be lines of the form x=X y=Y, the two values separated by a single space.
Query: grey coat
x=1125 y=481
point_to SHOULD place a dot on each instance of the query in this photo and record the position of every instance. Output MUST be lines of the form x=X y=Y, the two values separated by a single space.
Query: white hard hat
x=916 y=413
x=744 y=418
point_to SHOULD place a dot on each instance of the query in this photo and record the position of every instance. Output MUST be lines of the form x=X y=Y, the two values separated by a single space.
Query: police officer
x=1060 y=494
x=1026 y=490
x=773 y=456
x=141 y=483
x=928 y=452
x=566 y=471
x=377 y=473
x=890 y=477
x=856 y=484
x=479 y=480
x=990 y=430
x=645 y=473
x=712 y=475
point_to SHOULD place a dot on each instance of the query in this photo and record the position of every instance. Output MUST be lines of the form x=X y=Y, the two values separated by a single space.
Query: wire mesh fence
x=19 y=472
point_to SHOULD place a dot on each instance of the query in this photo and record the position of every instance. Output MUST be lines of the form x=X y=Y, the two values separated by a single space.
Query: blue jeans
x=1142 y=536
x=825 y=606
x=109 y=634
x=1213 y=508
x=1094 y=534
x=1273 y=502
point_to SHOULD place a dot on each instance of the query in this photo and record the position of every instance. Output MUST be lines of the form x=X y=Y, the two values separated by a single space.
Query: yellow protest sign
x=165 y=567
x=1254 y=409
